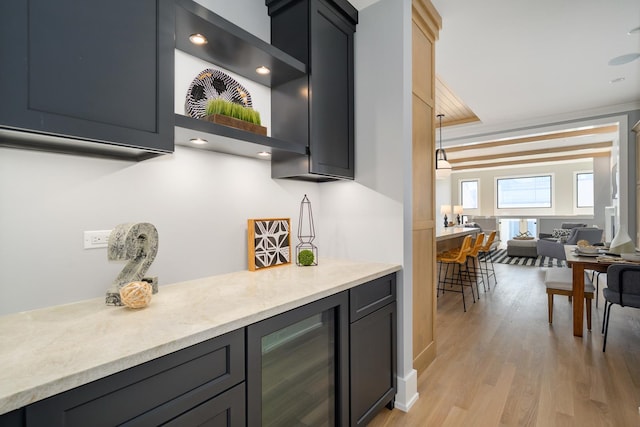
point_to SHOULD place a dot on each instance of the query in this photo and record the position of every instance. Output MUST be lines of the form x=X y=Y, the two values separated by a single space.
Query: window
x=469 y=194
x=524 y=192
x=584 y=186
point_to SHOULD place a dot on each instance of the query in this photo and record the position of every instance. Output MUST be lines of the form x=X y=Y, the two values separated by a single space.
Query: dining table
x=579 y=263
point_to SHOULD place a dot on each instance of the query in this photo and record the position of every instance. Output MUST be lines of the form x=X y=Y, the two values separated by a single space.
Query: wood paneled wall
x=426 y=24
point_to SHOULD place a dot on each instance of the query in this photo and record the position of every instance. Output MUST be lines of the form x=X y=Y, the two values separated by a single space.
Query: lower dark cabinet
x=373 y=348
x=373 y=364
x=330 y=362
x=13 y=418
x=150 y=394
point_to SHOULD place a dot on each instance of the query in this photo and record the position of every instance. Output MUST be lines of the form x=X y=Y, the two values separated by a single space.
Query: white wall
x=444 y=197
x=199 y=201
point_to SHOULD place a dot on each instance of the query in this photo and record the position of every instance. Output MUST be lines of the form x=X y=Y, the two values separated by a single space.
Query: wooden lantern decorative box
x=237 y=123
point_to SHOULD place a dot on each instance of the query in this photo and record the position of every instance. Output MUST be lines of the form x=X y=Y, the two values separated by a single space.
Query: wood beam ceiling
x=535 y=138
x=531 y=153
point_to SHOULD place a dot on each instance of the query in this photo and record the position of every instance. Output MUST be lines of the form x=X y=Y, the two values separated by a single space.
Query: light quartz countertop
x=51 y=350
x=453 y=232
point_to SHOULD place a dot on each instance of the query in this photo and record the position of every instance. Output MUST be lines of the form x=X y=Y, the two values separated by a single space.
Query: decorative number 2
x=138 y=243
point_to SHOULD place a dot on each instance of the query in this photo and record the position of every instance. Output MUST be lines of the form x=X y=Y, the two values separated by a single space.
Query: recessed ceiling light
x=624 y=59
x=198 y=141
x=617 y=80
x=263 y=70
x=264 y=154
x=634 y=31
x=198 y=39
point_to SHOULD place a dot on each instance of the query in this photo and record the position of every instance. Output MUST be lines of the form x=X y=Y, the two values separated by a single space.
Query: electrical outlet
x=96 y=239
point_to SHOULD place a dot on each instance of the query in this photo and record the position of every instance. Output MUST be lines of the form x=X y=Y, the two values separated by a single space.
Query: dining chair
x=623 y=288
x=559 y=281
x=596 y=275
x=456 y=258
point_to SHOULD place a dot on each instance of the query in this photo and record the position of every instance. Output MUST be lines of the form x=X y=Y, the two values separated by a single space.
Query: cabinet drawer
x=187 y=377
x=225 y=410
x=367 y=298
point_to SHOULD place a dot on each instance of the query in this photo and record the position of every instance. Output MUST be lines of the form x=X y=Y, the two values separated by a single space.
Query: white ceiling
x=516 y=62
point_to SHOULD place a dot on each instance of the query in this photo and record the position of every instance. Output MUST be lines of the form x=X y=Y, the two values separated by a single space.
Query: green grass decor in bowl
x=234 y=115
x=231 y=109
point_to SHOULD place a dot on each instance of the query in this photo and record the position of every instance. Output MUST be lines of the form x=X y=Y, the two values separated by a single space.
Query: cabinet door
x=13 y=418
x=297 y=366
x=331 y=94
x=373 y=364
x=149 y=394
x=89 y=70
x=317 y=111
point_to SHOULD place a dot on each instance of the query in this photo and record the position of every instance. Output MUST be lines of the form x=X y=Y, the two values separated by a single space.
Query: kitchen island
x=51 y=350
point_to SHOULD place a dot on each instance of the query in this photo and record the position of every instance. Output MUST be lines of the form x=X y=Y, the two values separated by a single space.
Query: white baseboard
x=407 y=393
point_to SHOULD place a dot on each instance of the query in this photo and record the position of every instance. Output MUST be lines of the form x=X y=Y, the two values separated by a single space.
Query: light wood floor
x=502 y=364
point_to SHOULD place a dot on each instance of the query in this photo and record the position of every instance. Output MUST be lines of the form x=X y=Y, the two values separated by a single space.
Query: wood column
x=426 y=24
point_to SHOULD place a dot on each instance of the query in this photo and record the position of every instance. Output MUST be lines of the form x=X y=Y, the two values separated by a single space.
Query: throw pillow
x=561 y=234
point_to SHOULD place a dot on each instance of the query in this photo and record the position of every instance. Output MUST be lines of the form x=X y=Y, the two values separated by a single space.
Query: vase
x=622 y=243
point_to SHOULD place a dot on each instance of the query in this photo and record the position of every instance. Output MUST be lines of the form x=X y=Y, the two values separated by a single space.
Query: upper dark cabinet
x=93 y=76
x=316 y=110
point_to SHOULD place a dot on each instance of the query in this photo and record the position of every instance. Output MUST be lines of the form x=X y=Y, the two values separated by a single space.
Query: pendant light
x=443 y=167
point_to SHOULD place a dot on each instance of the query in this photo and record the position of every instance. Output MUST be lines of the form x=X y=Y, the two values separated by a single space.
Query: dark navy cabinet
x=94 y=77
x=187 y=388
x=13 y=419
x=317 y=110
x=373 y=348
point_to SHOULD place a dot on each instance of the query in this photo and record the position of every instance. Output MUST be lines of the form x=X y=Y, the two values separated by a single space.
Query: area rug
x=500 y=256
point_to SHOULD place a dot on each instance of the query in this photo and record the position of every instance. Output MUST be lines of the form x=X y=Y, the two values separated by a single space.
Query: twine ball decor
x=136 y=294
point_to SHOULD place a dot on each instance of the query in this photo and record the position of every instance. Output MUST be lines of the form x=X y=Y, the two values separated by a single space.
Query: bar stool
x=455 y=258
x=473 y=264
x=487 y=252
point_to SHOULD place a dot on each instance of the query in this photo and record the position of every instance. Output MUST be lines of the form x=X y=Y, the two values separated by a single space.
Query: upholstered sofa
x=554 y=247
x=564 y=226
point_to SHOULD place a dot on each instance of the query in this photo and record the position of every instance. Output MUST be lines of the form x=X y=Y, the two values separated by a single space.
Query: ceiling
x=520 y=64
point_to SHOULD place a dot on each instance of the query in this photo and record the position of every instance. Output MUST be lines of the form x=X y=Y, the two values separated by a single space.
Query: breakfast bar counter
x=451 y=237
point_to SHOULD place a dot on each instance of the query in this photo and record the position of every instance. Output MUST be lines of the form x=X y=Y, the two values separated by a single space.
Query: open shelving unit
x=236 y=50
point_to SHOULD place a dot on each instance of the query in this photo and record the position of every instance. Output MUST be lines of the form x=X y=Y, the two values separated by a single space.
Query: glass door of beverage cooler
x=296 y=377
